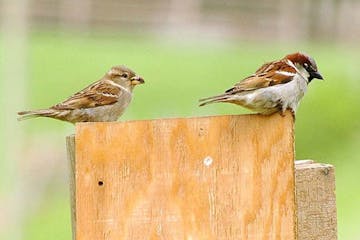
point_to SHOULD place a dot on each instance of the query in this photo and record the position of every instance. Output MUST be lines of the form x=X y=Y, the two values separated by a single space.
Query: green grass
x=51 y=220
x=177 y=75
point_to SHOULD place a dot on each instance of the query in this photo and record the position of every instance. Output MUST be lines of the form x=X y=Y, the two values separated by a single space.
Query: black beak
x=316 y=75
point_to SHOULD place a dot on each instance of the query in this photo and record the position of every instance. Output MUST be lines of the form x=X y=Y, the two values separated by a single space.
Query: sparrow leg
x=292 y=113
x=282 y=112
x=282 y=108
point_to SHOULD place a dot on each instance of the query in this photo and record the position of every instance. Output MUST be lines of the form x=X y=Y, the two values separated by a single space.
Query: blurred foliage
x=178 y=74
x=52 y=220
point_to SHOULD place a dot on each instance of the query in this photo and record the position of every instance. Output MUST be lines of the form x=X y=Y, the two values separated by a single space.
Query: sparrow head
x=124 y=76
x=305 y=64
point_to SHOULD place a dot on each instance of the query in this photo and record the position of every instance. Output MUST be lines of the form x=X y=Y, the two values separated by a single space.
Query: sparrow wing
x=98 y=94
x=267 y=75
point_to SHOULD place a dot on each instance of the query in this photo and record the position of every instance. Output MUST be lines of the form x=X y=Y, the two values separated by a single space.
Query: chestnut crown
x=307 y=62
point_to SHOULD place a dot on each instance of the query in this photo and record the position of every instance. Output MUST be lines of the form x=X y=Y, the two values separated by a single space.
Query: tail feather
x=214 y=99
x=24 y=115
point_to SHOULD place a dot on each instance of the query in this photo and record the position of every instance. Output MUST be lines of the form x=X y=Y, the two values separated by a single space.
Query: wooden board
x=224 y=177
x=70 y=147
x=316 y=202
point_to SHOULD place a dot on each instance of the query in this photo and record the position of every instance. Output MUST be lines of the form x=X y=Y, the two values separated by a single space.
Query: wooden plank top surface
x=221 y=177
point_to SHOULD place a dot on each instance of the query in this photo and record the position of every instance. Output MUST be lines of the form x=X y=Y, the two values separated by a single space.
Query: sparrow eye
x=306 y=65
x=124 y=75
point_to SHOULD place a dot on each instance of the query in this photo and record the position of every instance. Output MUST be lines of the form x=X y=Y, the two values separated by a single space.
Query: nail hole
x=208 y=161
x=100 y=183
x=326 y=171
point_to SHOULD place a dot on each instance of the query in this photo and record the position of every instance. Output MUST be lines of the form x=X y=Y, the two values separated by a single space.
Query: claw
x=293 y=114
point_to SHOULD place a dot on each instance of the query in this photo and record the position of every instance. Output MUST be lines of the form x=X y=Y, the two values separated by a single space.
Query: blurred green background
x=52 y=63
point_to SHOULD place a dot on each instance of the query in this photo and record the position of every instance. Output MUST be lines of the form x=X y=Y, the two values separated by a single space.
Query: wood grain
x=316 y=202
x=223 y=177
x=70 y=146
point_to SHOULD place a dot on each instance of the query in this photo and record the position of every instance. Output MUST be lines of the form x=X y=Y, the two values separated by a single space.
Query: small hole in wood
x=100 y=183
x=208 y=161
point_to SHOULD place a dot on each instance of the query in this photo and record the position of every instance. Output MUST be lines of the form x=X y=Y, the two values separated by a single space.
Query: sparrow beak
x=315 y=74
x=137 y=80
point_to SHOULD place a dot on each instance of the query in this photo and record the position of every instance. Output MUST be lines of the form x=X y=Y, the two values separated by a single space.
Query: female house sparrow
x=275 y=86
x=102 y=101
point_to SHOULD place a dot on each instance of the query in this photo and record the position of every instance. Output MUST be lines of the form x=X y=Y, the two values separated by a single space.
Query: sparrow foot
x=282 y=113
x=293 y=114
x=281 y=108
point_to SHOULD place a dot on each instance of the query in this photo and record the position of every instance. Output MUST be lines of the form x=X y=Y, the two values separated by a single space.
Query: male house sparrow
x=275 y=86
x=102 y=101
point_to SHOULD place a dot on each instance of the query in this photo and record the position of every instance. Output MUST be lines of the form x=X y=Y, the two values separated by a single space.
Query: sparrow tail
x=214 y=99
x=34 y=114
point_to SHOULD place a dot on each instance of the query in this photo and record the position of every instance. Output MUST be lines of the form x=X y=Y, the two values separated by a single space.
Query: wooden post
x=195 y=197
x=316 y=203
x=223 y=177
x=70 y=146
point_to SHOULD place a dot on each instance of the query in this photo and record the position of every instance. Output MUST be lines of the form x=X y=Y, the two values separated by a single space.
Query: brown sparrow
x=102 y=101
x=275 y=86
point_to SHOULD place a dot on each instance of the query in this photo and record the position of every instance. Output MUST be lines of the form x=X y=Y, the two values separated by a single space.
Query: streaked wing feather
x=98 y=94
x=269 y=74
x=264 y=68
